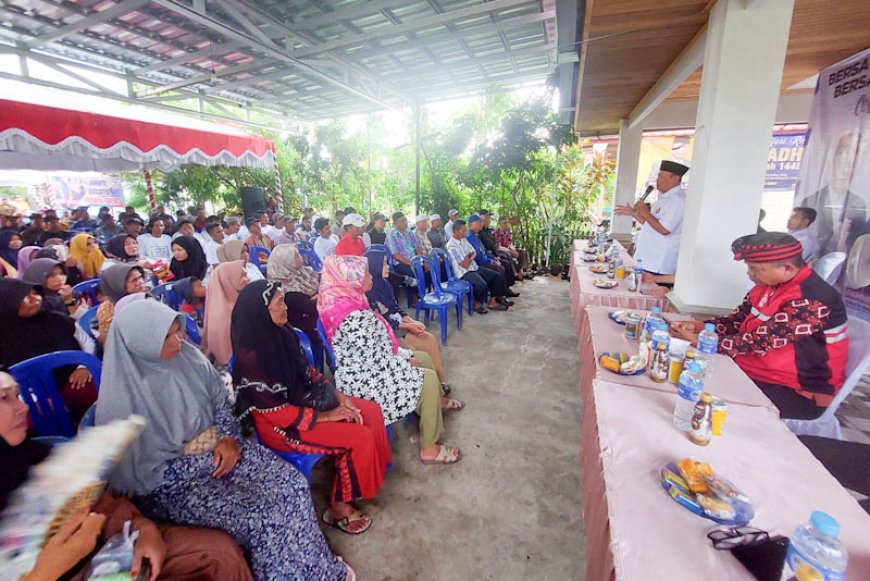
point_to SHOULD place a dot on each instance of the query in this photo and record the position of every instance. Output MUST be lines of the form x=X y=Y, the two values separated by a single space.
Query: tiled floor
x=854 y=416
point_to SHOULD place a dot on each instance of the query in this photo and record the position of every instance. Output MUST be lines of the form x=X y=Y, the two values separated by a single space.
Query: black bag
x=323 y=396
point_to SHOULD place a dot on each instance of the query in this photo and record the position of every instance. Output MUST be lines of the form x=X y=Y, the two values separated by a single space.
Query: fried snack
x=716 y=507
x=609 y=363
x=695 y=474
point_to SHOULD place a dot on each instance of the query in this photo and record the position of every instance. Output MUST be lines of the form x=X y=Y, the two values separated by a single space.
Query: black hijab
x=196 y=265
x=115 y=248
x=36 y=273
x=381 y=291
x=266 y=353
x=8 y=254
x=24 y=337
x=17 y=462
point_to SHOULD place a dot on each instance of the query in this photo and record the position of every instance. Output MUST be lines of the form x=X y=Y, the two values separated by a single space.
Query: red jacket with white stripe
x=793 y=334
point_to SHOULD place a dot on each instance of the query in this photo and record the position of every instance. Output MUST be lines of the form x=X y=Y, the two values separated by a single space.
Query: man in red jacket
x=790 y=333
x=351 y=243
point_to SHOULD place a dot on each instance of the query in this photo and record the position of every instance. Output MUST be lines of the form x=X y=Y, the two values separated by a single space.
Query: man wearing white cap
x=452 y=215
x=351 y=244
x=436 y=233
x=420 y=231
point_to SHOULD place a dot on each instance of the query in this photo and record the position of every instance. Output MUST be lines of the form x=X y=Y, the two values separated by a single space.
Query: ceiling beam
x=212 y=51
x=686 y=63
x=87 y=22
x=581 y=69
x=349 y=12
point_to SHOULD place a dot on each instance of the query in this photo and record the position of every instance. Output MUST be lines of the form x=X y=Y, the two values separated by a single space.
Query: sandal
x=445 y=388
x=343 y=524
x=453 y=405
x=446 y=455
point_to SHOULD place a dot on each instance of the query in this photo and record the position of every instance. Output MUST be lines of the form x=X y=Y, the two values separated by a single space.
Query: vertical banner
x=835 y=178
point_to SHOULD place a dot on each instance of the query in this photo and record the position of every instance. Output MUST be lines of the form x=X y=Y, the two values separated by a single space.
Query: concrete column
x=627 y=159
x=740 y=88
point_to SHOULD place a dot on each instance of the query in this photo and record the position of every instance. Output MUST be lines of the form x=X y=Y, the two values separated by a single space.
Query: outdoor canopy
x=39 y=137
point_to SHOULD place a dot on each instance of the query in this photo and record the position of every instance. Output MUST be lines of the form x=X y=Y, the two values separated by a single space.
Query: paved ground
x=512 y=508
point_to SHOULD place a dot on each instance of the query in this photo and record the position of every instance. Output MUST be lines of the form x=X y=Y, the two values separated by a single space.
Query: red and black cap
x=766 y=247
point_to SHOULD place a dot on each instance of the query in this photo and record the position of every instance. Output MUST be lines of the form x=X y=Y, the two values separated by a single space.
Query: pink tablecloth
x=599 y=334
x=636 y=531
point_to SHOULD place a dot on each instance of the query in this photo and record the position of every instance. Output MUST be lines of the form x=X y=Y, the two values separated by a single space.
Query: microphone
x=649 y=190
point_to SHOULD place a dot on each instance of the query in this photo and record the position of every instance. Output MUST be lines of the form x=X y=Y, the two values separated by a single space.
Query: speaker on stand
x=253 y=200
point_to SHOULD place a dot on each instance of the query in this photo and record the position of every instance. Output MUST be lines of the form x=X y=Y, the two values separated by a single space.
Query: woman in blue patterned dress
x=189 y=466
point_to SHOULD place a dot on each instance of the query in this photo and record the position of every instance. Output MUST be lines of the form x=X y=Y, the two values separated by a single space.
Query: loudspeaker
x=253 y=200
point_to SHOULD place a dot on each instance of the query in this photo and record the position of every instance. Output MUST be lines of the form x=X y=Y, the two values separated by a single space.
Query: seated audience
x=227 y=281
x=489 y=287
x=61 y=253
x=123 y=248
x=504 y=238
x=483 y=257
x=10 y=244
x=799 y=227
x=233 y=229
x=215 y=233
x=237 y=250
x=437 y=236
x=300 y=285
x=26 y=331
x=34 y=234
x=377 y=232
x=188 y=258
x=306 y=231
x=369 y=364
x=57 y=295
x=402 y=245
x=191 y=466
x=256 y=236
x=155 y=245
x=108 y=228
x=421 y=231
x=25 y=256
x=452 y=217
x=325 y=243
x=84 y=250
x=412 y=334
x=173 y=552
x=300 y=410
x=288 y=235
x=352 y=244
x=116 y=282
x=336 y=228
x=133 y=226
x=789 y=335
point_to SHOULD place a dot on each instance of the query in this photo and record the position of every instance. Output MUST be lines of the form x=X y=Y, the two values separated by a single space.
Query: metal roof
x=253 y=60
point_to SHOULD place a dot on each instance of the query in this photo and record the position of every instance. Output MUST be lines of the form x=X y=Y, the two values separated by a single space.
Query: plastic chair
x=309 y=257
x=827 y=425
x=89 y=289
x=254 y=256
x=192 y=330
x=85 y=321
x=452 y=285
x=89 y=420
x=829 y=266
x=167 y=296
x=305 y=344
x=330 y=356
x=433 y=301
x=303 y=462
x=40 y=393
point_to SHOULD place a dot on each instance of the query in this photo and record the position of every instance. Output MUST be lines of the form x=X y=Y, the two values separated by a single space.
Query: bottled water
x=708 y=344
x=638 y=268
x=690 y=387
x=650 y=324
x=815 y=552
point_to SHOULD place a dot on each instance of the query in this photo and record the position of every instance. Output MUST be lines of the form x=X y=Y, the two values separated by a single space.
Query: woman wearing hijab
x=123 y=248
x=25 y=256
x=368 y=362
x=295 y=409
x=227 y=281
x=412 y=334
x=116 y=282
x=26 y=330
x=84 y=250
x=174 y=552
x=238 y=250
x=60 y=253
x=300 y=284
x=10 y=244
x=188 y=259
x=191 y=466
x=51 y=276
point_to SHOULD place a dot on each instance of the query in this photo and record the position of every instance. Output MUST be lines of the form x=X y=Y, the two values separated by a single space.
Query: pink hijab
x=342 y=291
x=24 y=258
x=224 y=287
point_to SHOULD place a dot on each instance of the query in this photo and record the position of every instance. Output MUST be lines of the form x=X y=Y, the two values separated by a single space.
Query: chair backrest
x=435 y=271
x=441 y=255
x=192 y=330
x=305 y=343
x=85 y=321
x=330 y=356
x=829 y=266
x=40 y=392
x=309 y=257
x=856 y=366
x=88 y=288
x=254 y=255
x=167 y=296
x=417 y=263
x=381 y=247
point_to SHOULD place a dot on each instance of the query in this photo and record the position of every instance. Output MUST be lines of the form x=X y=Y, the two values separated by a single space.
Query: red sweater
x=350 y=246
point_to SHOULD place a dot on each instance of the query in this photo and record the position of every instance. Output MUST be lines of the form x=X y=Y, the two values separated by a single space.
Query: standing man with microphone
x=658 y=242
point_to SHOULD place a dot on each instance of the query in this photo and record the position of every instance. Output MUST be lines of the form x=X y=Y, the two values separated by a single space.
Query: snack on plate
x=634 y=364
x=619 y=315
x=725 y=490
x=716 y=507
x=610 y=363
x=695 y=474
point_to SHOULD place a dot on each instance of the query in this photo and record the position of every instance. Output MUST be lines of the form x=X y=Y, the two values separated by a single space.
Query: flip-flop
x=343 y=524
x=453 y=405
x=446 y=455
x=445 y=388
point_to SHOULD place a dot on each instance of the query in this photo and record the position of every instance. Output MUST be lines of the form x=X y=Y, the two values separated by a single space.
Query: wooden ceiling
x=618 y=70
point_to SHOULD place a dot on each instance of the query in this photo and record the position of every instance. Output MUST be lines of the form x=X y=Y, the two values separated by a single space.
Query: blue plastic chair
x=452 y=285
x=40 y=393
x=89 y=289
x=327 y=348
x=254 y=256
x=89 y=420
x=85 y=321
x=305 y=343
x=192 y=330
x=309 y=257
x=303 y=462
x=433 y=301
x=167 y=296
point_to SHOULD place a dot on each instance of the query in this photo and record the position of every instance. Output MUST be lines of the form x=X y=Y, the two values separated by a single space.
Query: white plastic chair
x=827 y=425
x=829 y=266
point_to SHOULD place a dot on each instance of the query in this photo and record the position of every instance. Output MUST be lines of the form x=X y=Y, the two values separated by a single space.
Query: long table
x=634 y=529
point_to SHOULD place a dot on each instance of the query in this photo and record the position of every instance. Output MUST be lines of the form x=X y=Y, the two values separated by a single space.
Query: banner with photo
x=835 y=178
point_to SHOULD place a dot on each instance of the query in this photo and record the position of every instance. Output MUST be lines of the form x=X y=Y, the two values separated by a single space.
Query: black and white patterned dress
x=367 y=368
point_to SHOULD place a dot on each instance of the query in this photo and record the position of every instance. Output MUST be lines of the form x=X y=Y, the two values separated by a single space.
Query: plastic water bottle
x=690 y=387
x=815 y=548
x=708 y=344
x=638 y=269
x=650 y=324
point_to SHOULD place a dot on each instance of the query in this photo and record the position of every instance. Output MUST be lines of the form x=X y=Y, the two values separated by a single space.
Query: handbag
x=322 y=396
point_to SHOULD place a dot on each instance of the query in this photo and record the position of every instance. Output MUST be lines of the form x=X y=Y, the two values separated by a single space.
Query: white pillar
x=627 y=159
x=740 y=87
